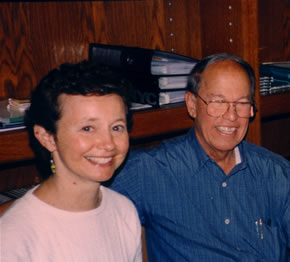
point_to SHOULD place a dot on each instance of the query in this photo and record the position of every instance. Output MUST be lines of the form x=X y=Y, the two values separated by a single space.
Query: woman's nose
x=106 y=141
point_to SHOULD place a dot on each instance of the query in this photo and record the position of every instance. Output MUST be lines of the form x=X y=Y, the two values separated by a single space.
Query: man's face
x=223 y=81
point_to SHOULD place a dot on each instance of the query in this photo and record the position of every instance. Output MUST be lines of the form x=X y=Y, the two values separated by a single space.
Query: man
x=211 y=196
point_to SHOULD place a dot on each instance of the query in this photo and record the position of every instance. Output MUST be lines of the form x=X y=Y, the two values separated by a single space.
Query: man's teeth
x=226 y=129
x=100 y=160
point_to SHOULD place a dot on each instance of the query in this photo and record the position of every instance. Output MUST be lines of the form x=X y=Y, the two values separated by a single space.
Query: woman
x=78 y=125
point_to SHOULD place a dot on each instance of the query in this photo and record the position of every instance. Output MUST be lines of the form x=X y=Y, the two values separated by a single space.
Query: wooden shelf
x=148 y=123
x=160 y=121
x=275 y=104
x=14 y=145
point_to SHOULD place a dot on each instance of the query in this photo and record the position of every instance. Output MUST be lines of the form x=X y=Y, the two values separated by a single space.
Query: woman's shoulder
x=116 y=198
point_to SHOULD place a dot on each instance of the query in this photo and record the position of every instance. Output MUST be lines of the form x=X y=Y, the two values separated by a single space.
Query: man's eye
x=119 y=128
x=219 y=102
x=87 y=128
x=244 y=103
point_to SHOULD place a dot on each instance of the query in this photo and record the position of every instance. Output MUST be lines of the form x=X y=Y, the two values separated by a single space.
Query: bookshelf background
x=37 y=36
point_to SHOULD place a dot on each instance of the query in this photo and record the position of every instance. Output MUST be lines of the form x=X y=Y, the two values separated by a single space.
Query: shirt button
x=224 y=184
x=227 y=221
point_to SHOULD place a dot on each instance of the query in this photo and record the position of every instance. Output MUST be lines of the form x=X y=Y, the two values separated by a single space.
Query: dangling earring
x=52 y=166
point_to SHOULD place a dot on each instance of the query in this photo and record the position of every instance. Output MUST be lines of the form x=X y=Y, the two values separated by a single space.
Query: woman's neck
x=70 y=196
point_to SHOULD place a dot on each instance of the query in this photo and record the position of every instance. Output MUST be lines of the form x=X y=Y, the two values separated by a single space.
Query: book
x=136 y=59
x=150 y=71
x=138 y=106
x=164 y=63
x=274 y=77
x=278 y=70
x=171 y=97
x=12 y=127
x=132 y=59
x=172 y=82
x=147 y=90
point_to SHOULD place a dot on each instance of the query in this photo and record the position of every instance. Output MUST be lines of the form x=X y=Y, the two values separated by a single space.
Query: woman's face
x=92 y=139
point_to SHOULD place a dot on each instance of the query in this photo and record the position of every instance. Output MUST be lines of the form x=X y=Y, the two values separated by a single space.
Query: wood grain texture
x=157 y=122
x=221 y=27
x=274 y=105
x=274 y=28
x=249 y=31
x=14 y=147
x=275 y=134
x=38 y=36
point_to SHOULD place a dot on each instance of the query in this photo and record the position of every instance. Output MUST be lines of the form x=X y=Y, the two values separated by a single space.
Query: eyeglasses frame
x=235 y=103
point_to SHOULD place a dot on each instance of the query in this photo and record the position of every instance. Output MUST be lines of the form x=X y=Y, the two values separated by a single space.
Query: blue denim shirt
x=192 y=211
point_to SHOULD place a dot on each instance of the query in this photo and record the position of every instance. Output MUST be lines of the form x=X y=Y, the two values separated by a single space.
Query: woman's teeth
x=100 y=160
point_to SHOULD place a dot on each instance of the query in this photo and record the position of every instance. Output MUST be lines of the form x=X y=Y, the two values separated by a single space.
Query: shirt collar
x=203 y=157
x=237 y=155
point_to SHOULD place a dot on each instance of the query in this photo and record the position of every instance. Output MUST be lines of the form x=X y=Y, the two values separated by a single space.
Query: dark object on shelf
x=157 y=77
x=274 y=78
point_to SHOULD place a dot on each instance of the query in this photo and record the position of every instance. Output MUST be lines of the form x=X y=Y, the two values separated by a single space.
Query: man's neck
x=228 y=160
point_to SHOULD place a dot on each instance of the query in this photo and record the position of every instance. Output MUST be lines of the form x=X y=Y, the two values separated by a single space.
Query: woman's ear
x=190 y=101
x=45 y=138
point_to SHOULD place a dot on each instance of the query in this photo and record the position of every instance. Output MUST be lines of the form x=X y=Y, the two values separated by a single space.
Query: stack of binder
x=274 y=78
x=158 y=78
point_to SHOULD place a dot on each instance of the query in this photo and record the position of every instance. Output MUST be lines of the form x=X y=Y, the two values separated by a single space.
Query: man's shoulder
x=258 y=154
x=177 y=144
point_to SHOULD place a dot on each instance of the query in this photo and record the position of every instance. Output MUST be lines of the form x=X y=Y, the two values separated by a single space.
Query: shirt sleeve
x=286 y=215
x=129 y=181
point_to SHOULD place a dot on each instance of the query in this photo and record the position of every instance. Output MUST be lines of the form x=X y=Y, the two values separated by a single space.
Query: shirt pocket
x=268 y=242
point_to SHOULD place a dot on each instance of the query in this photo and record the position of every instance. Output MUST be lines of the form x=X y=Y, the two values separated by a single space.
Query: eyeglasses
x=220 y=107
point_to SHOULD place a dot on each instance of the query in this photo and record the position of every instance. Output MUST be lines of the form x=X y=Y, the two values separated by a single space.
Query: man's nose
x=231 y=112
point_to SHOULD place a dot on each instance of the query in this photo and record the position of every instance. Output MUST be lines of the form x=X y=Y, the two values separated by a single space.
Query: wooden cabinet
x=37 y=36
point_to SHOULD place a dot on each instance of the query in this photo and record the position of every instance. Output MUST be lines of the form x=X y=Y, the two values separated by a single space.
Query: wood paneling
x=37 y=36
x=14 y=147
x=278 y=104
x=221 y=27
x=274 y=25
x=18 y=175
x=275 y=135
x=158 y=122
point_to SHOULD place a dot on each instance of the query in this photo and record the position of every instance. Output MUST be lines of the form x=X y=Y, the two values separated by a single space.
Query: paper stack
x=12 y=113
x=274 y=78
